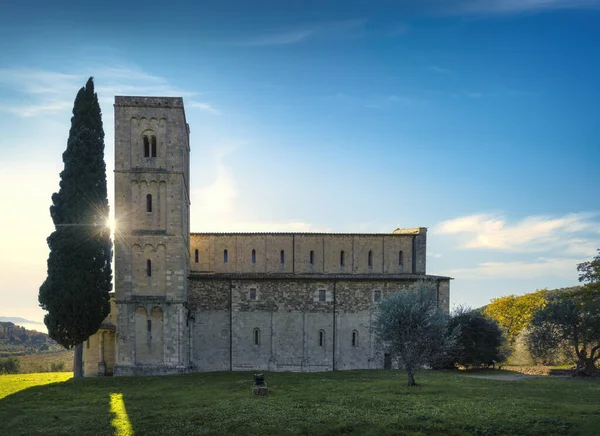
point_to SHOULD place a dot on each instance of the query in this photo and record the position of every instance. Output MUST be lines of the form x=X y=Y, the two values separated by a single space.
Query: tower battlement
x=163 y=102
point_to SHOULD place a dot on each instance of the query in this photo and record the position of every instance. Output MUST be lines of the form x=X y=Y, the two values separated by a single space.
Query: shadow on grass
x=358 y=402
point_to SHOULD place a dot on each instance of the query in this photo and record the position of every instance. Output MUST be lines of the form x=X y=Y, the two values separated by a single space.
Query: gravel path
x=510 y=377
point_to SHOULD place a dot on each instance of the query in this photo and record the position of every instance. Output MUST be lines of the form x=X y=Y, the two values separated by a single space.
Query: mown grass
x=358 y=402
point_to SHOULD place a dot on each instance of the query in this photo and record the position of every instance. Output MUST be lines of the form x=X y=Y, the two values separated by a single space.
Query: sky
x=477 y=119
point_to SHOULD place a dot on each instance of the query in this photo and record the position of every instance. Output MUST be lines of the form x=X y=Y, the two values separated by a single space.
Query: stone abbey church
x=233 y=301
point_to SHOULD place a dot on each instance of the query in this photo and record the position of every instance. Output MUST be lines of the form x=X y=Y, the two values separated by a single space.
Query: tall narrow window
x=153 y=143
x=321 y=338
x=400 y=258
x=322 y=295
x=149 y=203
x=355 y=338
x=342 y=258
x=146 y=147
x=256 y=337
x=149 y=325
x=370 y=259
x=196 y=256
x=311 y=257
x=376 y=296
x=87 y=343
x=149 y=268
x=252 y=294
x=253 y=256
x=282 y=257
x=224 y=256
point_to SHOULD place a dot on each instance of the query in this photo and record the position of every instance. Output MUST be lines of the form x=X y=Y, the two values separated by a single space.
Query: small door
x=387 y=361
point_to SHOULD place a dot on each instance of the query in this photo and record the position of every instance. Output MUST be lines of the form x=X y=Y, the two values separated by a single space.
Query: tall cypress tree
x=76 y=291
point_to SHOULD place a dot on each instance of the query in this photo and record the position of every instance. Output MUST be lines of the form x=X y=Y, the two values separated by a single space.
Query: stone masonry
x=233 y=301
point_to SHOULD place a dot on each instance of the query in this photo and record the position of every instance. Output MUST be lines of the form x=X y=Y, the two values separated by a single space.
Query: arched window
x=370 y=259
x=149 y=203
x=153 y=143
x=146 y=147
x=149 y=268
x=256 y=336
x=354 y=338
x=400 y=258
x=253 y=256
x=312 y=257
x=322 y=295
x=321 y=338
x=224 y=256
x=342 y=259
x=196 y=255
x=282 y=257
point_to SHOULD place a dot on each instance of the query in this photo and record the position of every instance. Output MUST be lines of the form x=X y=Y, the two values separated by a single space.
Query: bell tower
x=152 y=236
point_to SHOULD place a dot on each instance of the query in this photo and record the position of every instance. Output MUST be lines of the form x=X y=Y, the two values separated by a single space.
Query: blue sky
x=477 y=119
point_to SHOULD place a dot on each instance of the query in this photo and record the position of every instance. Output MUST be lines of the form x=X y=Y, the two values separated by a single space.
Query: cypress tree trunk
x=78 y=361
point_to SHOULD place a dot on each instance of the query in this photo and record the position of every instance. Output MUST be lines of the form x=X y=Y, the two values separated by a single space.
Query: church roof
x=408 y=231
x=314 y=276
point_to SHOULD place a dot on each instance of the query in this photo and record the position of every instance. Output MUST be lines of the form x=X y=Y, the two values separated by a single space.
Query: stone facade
x=233 y=301
x=99 y=350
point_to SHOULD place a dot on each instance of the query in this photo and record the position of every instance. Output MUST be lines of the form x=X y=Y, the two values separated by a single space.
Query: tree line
x=417 y=333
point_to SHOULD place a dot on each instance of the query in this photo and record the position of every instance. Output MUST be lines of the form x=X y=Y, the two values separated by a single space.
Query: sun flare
x=111 y=224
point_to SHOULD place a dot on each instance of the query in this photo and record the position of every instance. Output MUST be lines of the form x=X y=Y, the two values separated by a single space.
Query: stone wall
x=282 y=324
x=152 y=244
x=273 y=301
x=99 y=350
x=309 y=253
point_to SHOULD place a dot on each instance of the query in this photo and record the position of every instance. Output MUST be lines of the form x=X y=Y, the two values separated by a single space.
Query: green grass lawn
x=358 y=402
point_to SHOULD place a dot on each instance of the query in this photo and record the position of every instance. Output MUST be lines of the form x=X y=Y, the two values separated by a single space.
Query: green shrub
x=57 y=366
x=9 y=365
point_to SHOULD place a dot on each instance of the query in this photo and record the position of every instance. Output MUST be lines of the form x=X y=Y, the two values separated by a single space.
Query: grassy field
x=42 y=362
x=357 y=402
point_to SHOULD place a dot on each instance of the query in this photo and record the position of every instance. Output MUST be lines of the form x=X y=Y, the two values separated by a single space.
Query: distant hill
x=18 y=341
x=18 y=320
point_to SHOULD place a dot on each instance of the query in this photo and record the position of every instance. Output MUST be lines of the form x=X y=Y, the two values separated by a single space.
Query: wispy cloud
x=390 y=101
x=286 y=36
x=575 y=234
x=42 y=91
x=472 y=94
x=33 y=109
x=203 y=107
x=440 y=70
x=377 y=102
x=541 y=267
x=399 y=29
x=512 y=6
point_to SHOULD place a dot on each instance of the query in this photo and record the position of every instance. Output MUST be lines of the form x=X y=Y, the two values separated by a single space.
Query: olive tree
x=572 y=320
x=412 y=328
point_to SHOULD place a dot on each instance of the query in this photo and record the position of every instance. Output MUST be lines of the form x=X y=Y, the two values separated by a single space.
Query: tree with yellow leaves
x=514 y=313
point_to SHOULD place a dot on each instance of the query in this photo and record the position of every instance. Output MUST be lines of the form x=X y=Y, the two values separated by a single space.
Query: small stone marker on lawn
x=260 y=386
